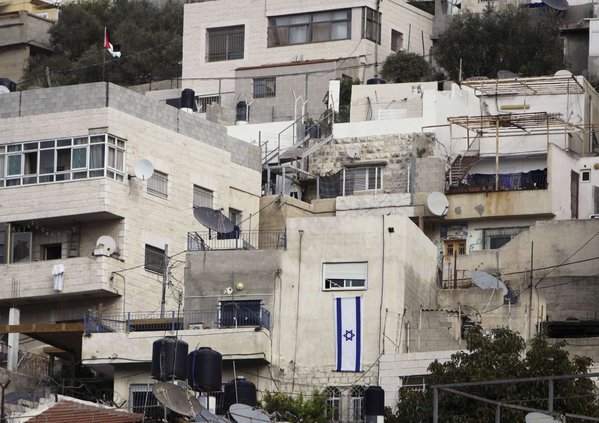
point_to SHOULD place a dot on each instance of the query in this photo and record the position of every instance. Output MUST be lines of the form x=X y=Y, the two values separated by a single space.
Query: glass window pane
x=340 y=31
x=299 y=19
x=96 y=156
x=46 y=161
x=322 y=17
x=341 y=14
x=321 y=31
x=80 y=140
x=111 y=157
x=120 y=160
x=96 y=139
x=14 y=165
x=79 y=157
x=63 y=161
x=298 y=34
x=30 y=146
x=282 y=21
x=1 y=166
x=31 y=163
x=47 y=144
x=12 y=148
x=21 y=247
x=63 y=143
x=80 y=175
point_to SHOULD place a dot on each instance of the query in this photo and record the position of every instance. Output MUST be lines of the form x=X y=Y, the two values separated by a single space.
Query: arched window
x=356 y=404
x=333 y=402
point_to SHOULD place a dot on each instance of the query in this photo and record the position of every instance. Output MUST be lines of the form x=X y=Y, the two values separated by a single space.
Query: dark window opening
x=154 y=260
x=51 y=251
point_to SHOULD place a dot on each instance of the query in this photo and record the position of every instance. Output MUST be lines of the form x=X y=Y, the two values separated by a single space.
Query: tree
x=406 y=67
x=297 y=410
x=524 y=41
x=500 y=356
x=150 y=39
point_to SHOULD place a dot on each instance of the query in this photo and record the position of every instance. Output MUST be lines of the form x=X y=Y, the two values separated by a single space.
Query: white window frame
x=349 y=273
x=584 y=172
x=378 y=175
x=158 y=184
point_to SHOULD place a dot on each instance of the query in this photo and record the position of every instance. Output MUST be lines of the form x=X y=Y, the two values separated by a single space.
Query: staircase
x=464 y=162
x=75 y=240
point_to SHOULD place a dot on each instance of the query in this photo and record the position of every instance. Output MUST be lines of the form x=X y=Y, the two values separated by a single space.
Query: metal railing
x=28 y=363
x=194 y=319
x=237 y=240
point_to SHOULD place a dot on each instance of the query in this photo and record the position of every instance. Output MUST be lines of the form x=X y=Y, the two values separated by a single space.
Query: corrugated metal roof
x=71 y=412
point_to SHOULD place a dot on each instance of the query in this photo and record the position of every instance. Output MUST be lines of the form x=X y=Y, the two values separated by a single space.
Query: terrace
x=237 y=240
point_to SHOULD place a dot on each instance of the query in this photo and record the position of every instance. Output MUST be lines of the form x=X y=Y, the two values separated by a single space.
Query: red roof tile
x=75 y=412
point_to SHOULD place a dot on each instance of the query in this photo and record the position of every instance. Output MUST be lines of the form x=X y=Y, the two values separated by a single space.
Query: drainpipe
x=299 y=280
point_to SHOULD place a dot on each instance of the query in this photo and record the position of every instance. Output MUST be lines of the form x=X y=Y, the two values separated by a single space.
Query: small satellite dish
x=143 y=169
x=213 y=219
x=535 y=417
x=506 y=74
x=228 y=291
x=437 y=203
x=4 y=90
x=486 y=281
x=207 y=417
x=557 y=4
x=563 y=72
x=177 y=398
x=243 y=413
x=352 y=150
x=106 y=246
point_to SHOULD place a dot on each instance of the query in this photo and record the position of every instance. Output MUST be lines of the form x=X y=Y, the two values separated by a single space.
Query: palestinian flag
x=113 y=49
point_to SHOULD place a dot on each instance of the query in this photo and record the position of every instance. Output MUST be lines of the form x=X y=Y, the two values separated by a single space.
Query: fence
x=237 y=240
x=28 y=364
x=196 y=319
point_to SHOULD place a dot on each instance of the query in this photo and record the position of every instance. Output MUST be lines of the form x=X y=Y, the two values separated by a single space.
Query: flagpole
x=103 y=56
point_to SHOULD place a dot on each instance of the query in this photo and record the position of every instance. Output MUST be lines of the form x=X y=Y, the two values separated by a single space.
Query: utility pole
x=164 y=279
x=532 y=244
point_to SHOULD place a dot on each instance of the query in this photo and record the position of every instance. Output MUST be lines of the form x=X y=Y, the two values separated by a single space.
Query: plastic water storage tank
x=242 y=114
x=169 y=355
x=188 y=100
x=246 y=393
x=204 y=369
x=374 y=404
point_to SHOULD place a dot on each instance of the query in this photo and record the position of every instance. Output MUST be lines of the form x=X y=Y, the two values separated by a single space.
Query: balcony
x=83 y=277
x=476 y=182
x=22 y=28
x=172 y=321
x=237 y=240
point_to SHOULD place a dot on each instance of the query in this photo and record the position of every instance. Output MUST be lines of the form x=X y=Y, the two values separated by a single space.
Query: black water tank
x=377 y=80
x=204 y=369
x=246 y=393
x=169 y=355
x=243 y=113
x=374 y=401
x=188 y=99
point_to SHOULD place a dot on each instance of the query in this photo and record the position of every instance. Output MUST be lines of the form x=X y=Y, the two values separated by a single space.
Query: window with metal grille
x=396 y=40
x=158 y=184
x=498 y=237
x=356 y=404
x=371 y=24
x=362 y=179
x=265 y=87
x=225 y=43
x=333 y=403
x=309 y=28
x=414 y=383
x=143 y=401
x=203 y=102
x=202 y=197
x=154 y=259
x=235 y=216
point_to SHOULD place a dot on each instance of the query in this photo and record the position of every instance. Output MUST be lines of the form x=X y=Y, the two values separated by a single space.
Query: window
x=62 y=160
x=585 y=175
x=396 y=40
x=51 y=251
x=143 y=401
x=240 y=313
x=345 y=275
x=356 y=404
x=362 y=179
x=203 y=102
x=455 y=247
x=3 y=238
x=154 y=261
x=413 y=383
x=309 y=28
x=574 y=194
x=202 y=197
x=333 y=403
x=371 y=24
x=225 y=43
x=21 y=247
x=158 y=184
x=235 y=216
x=265 y=87
x=496 y=238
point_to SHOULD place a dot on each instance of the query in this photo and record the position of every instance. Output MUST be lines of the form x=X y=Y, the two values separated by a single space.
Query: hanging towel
x=58 y=273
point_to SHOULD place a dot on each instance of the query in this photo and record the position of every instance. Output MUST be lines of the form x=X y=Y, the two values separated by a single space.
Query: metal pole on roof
x=497 y=154
x=164 y=278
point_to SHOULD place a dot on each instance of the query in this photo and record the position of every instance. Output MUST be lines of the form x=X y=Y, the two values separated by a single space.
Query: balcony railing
x=195 y=319
x=237 y=240
x=477 y=182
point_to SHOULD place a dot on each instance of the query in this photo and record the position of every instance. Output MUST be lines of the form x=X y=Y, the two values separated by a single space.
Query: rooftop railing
x=237 y=240
x=194 y=319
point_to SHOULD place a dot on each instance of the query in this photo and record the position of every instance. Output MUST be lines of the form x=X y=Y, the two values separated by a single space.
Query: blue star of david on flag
x=348 y=334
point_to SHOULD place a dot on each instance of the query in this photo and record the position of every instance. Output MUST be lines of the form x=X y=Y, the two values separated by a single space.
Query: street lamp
x=4 y=382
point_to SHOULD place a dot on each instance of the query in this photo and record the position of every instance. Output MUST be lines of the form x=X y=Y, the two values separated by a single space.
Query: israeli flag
x=348 y=334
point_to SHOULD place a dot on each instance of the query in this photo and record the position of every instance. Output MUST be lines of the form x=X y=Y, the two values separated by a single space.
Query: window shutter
x=346 y=270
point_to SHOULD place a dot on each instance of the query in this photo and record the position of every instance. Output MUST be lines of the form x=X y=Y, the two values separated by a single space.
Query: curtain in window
x=46 y=161
x=79 y=157
x=298 y=34
x=340 y=31
x=96 y=156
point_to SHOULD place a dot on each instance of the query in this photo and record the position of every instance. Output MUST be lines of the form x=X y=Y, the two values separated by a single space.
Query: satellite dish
x=143 y=169
x=563 y=72
x=506 y=74
x=243 y=413
x=535 y=417
x=486 y=281
x=228 y=291
x=213 y=219
x=207 y=417
x=4 y=90
x=557 y=4
x=177 y=398
x=106 y=245
x=437 y=203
